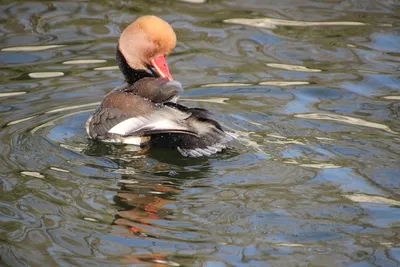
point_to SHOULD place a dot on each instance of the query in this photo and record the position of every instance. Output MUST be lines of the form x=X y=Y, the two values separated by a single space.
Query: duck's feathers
x=107 y=122
x=162 y=119
x=122 y=116
x=102 y=120
x=209 y=139
x=157 y=90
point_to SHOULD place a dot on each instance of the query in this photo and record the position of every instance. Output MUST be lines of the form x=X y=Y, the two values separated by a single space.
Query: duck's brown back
x=116 y=107
x=157 y=90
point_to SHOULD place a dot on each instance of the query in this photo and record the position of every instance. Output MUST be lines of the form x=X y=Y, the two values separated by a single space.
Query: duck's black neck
x=131 y=75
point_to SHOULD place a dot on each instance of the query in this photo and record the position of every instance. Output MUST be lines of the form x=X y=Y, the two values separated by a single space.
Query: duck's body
x=125 y=117
x=142 y=111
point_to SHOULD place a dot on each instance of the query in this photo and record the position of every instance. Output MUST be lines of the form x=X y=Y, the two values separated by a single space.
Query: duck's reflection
x=149 y=185
x=142 y=204
x=147 y=198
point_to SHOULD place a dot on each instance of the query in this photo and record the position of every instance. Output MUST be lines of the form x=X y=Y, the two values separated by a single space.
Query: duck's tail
x=210 y=138
x=206 y=146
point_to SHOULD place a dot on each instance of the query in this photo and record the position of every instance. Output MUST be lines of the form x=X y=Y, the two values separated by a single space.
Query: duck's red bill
x=161 y=67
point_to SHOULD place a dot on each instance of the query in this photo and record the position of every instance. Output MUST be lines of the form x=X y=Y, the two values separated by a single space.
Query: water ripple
x=292 y=67
x=372 y=199
x=85 y=61
x=345 y=119
x=271 y=23
x=11 y=94
x=30 y=48
x=39 y=75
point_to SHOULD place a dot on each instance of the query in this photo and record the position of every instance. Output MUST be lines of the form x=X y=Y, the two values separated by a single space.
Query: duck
x=144 y=109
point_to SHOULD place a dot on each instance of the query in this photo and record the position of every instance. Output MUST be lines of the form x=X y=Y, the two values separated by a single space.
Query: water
x=314 y=179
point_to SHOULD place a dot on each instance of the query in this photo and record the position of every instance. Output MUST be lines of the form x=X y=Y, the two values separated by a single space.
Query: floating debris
x=226 y=84
x=29 y=48
x=32 y=174
x=282 y=83
x=270 y=23
x=21 y=120
x=345 y=119
x=85 y=61
x=11 y=94
x=362 y=198
x=107 y=68
x=40 y=75
x=292 y=67
x=59 y=170
x=218 y=100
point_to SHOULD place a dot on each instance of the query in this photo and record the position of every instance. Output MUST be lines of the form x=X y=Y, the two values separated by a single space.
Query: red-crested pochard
x=142 y=111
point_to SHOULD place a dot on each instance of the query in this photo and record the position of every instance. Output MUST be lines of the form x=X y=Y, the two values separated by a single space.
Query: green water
x=313 y=181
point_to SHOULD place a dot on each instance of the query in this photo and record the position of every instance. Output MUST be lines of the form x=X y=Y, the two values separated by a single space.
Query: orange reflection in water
x=142 y=205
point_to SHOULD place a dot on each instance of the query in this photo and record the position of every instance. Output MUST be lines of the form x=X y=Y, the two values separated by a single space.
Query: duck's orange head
x=146 y=43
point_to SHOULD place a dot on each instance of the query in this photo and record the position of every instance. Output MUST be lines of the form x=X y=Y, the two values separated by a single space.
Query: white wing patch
x=127 y=126
x=164 y=125
x=133 y=125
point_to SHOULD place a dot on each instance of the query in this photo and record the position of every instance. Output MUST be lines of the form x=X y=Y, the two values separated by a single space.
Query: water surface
x=312 y=89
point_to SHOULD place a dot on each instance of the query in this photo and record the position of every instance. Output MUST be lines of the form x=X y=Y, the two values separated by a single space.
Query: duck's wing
x=107 y=123
x=158 y=90
x=124 y=113
x=102 y=120
x=162 y=120
x=210 y=137
x=191 y=130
